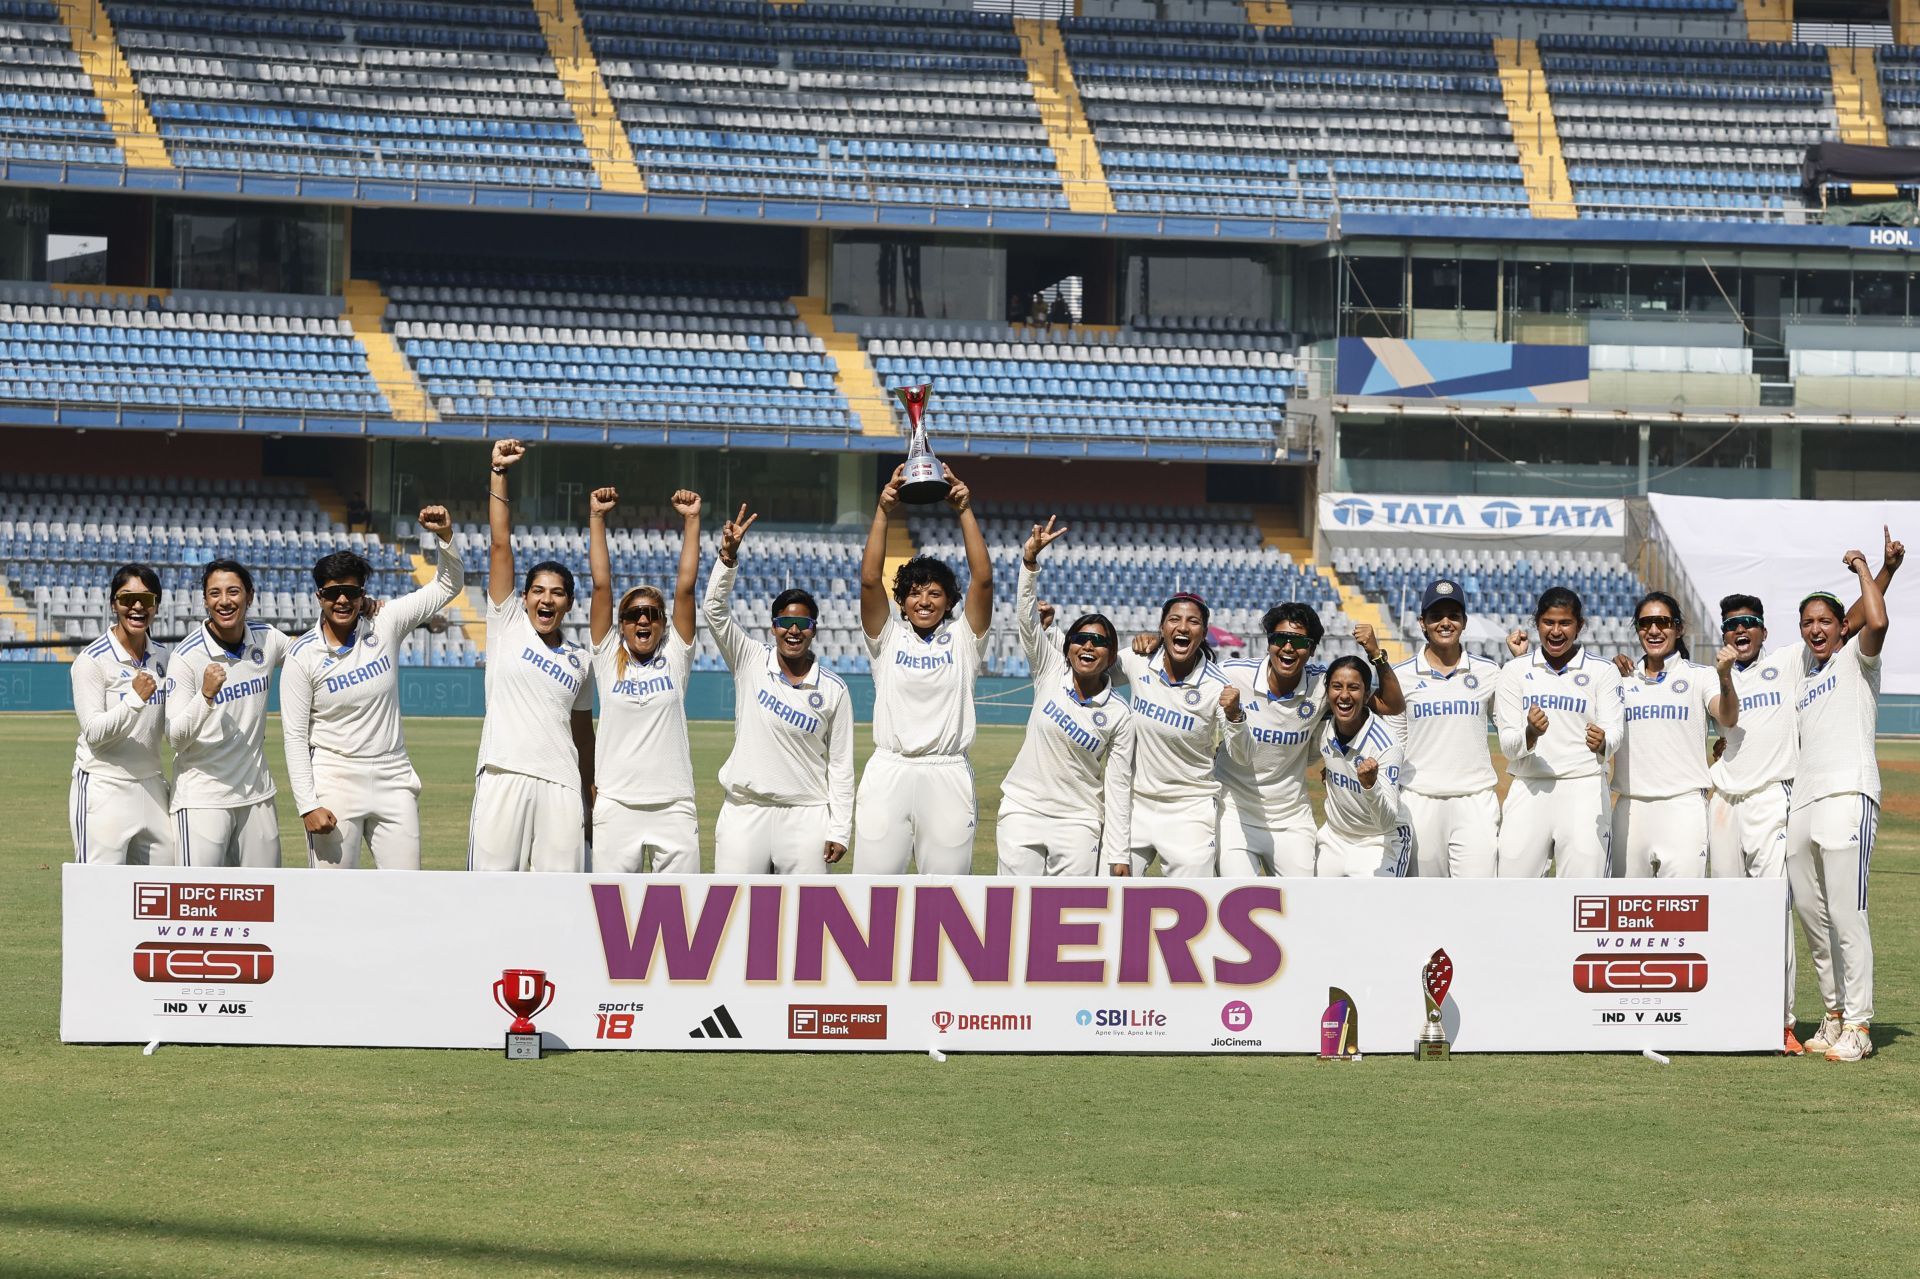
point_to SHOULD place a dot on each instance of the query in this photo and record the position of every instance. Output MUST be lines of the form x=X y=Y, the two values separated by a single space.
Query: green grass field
x=205 y=1161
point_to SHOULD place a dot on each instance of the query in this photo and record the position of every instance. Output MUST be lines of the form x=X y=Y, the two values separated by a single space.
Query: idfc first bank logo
x=222 y=903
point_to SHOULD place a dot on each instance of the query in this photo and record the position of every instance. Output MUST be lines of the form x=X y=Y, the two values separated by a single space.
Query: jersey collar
x=1158 y=665
x=1072 y=690
x=774 y=669
x=126 y=658
x=1578 y=660
x=1264 y=685
x=219 y=645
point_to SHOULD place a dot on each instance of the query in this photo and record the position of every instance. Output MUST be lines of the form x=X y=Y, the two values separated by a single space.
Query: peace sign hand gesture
x=1040 y=539
x=733 y=532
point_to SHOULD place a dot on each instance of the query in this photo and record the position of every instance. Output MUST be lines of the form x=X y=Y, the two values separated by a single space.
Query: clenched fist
x=143 y=685
x=1366 y=771
x=435 y=520
x=1536 y=724
x=508 y=452
x=602 y=501
x=1596 y=739
x=320 y=821
x=216 y=675
x=1724 y=659
x=1230 y=703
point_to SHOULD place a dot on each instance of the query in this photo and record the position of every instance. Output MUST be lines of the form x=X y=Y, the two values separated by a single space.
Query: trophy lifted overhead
x=926 y=479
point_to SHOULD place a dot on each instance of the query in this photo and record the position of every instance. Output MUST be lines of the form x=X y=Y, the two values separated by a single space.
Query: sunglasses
x=1285 y=639
x=642 y=613
x=1655 y=623
x=1742 y=621
x=1092 y=639
x=136 y=599
x=793 y=623
x=334 y=594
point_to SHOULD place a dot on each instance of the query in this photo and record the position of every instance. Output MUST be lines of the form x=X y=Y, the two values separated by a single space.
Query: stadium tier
x=48 y=111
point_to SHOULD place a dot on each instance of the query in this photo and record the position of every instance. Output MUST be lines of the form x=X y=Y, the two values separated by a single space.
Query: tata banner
x=1412 y=520
x=842 y=962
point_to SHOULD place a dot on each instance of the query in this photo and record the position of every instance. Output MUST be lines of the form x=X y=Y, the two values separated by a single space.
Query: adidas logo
x=716 y=1025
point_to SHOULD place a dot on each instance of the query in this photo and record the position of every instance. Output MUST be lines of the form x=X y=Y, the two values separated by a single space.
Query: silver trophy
x=926 y=480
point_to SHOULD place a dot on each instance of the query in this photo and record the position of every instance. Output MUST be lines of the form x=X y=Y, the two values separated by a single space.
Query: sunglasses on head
x=642 y=613
x=793 y=623
x=136 y=599
x=1092 y=639
x=334 y=594
x=1287 y=639
x=1655 y=623
x=1740 y=620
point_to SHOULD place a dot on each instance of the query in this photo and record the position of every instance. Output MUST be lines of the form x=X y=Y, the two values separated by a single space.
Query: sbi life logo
x=1887 y=237
x=1501 y=514
x=1352 y=511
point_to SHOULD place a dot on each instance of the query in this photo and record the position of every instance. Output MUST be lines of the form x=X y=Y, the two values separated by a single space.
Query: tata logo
x=1886 y=237
x=1352 y=511
x=1501 y=514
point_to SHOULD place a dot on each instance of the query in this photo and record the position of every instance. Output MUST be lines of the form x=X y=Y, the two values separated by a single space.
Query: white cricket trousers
x=1747 y=839
x=115 y=822
x=763 y=839
x=525 y=823
x=1829 y=845
x=1180 y=832
x=626 y=835
x=375 y=802
x=1562 y=819
x=1030 y=844
x=1272 y=844
x=1454 y=836
x=1663 y=838
x=245 y=836
x=917 y=808
x=1363 y=856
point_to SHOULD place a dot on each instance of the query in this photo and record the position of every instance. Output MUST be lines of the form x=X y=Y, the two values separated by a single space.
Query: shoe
x=1793 y=1047
x=1852 y=1045
x=1828 y=1034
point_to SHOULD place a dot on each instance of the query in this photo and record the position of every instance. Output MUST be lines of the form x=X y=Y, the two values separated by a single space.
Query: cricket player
x=117 y=804
x=536 y=744
x=789 y=780
x=1660 y=776
x=217 y=722
x=1366 y=832
x=1066 y=804
x=1558 y=713
x=643 y=763
x=347 y=762
x=916 y=801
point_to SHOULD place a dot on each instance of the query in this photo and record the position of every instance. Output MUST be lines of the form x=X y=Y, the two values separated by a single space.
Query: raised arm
x=979 y=606
x=687 y=578
x=735 y=645
x=1387 y=698
x=1026 y=608
x=600 y=504
x=450 y=578
x=1872 y=606
x=1725 y=706
x=500 y=583
x=875 y=604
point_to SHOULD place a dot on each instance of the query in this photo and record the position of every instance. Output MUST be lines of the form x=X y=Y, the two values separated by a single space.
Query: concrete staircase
x=1281 y=531
x=367 y=313
x=1269 y=13
x=1076 y=154
x=134 y=131
x=579 y=73
x=1769 y=21
x=1543 y=166
x=853 y=375
x=1856 y=103
x=900 y=549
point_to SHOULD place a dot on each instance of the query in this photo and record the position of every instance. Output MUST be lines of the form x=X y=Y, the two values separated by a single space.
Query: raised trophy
x=1339 y=1027
x=524 y=992
x=926 y=480
x=1435 y=978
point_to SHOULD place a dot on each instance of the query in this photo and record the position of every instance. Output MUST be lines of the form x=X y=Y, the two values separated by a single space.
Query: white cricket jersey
x=1663 y=738
x=640 y=752
x=792 y=743
x=1280 y=739
x=1353 y=810
x=1076 y=760
x=220 y=747
x=1178 y=727
x=1443 y=734
x=1838 y=709
x=1585 y=691
x=342 y=705
x=923 y=688
x=119 y=734
x=1763 y=748
x=532 y=692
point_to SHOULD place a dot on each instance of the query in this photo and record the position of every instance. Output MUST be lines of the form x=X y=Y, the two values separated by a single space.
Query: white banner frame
x=1415 y=519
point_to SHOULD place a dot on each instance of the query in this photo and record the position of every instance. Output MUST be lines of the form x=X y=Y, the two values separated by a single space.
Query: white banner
x=410 y=959
x=1366 y=519
x=1783 y=551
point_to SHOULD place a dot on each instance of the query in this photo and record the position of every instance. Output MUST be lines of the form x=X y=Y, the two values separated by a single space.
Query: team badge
x=573 y=659
x=945 y=637
x=1193 y=697
x=1306 y=709
x=259 y=658
x=371 y=640
x=1582 y=679
x=1679 y=687
x=1099 y=719
x=1471 y=680
x=816 y=700
x=1769 y=672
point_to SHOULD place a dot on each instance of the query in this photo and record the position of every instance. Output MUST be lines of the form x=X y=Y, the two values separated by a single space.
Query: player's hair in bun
x=1559 y=597
x=234 y=567
x=794 y=595
x=1301 y=615
x=922 y=570
x=1348 y=662
x=554 y=567
x=341 y=566
x=1206 y=617
x=1679 y=622
x=1101 y=620
x=149 y=578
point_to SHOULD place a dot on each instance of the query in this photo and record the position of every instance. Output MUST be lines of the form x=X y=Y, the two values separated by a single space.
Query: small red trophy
x=1435 y=979
x=524 y=992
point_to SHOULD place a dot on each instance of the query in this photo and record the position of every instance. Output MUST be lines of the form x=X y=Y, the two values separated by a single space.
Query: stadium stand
x=1899 y=68
x=48 y=111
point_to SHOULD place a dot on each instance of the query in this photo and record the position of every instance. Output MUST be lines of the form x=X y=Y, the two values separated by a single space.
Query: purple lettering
x=763 y=932
x=1264 y=956
x=662 y=922
x=1048 y=934
x=1139 y=938
x=823 y=912
x=938 y=912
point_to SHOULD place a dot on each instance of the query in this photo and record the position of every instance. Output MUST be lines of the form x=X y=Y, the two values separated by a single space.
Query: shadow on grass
x=168 y=1232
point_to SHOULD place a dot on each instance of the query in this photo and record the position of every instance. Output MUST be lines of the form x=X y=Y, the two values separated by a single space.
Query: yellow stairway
x=1906 y=21
x=1535 y=134
x=1769 y=20
x=1856 y=98
x=1279 y=531
x=579 y=72
x=134 y=131
x=461 y=617
x=1269 y=13
x=367 y=313
x=899 y=549
x=24 y=627
x=1076 y=153
x=852 y=373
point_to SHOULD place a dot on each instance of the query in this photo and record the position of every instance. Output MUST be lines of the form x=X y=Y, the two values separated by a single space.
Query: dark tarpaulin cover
x=1828 y=162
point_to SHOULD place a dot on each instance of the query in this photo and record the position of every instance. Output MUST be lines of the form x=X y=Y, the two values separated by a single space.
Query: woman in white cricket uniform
x=1558 y=712
x=536 y=743
x=1660 y=776
x=117 y=804
x=1266 y=821
x=1366 y=831
x=1066 y=804
x=916 y=799
x=217 y=722
x=643 y=766
x=789 y=781
x=1835 y=809
x=347 y=762
x=1185 y=710
x=1447 y=780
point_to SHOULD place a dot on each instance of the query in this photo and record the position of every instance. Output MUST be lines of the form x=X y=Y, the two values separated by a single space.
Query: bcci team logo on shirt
x=816 y=700
x=1769 y=672
x=1099 y=719
x=1193 y=697
x=1582 y=679
x=258 y=658
x=573 y=659
x=1471 y=680
x=1306 y=709
x=945 y=637
x=371 y=640
x=1679 y=687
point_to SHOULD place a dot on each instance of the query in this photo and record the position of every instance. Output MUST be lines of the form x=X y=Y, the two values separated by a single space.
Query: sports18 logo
x=1606 y=974
x=240 y=963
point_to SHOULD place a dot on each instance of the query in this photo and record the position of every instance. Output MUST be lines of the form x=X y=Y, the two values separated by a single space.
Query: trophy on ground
x=1340 y=1027
x=1435 y=977
x=926 y=480
x=524 y=992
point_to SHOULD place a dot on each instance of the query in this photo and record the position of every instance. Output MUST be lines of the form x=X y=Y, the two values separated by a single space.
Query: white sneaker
x=1828 y=1035
x=1852 y=1045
